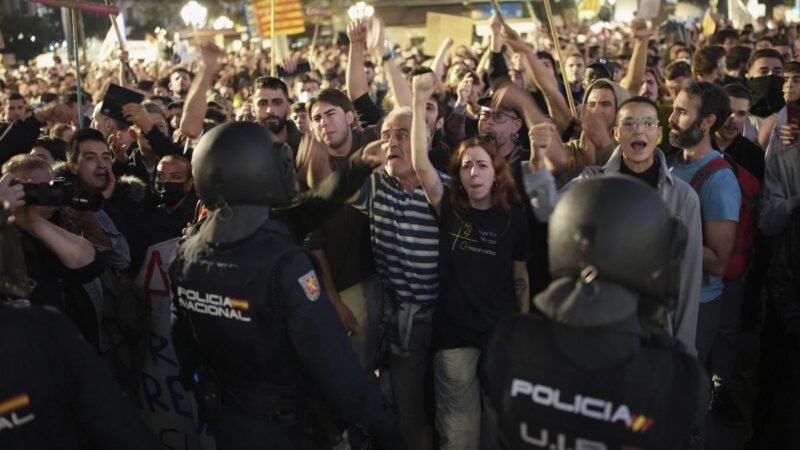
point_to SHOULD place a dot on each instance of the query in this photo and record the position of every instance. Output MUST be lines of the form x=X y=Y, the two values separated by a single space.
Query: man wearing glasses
x=500 y=123
x=637 y=130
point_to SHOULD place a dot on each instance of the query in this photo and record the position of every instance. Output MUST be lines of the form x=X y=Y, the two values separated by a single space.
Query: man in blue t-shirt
x=698 y=111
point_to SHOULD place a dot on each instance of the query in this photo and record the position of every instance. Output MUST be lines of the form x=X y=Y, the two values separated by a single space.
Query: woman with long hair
x=482 y=270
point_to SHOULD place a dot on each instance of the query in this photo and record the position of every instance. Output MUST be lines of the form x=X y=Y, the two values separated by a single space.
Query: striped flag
x=288 y=17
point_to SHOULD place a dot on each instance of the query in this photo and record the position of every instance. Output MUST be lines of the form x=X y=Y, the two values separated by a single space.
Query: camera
x=61 y=193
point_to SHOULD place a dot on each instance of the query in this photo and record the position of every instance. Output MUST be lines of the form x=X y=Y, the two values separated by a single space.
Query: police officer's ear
x=349 y=117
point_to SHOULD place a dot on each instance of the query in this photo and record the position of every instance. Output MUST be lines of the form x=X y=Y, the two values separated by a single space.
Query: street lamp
x=360 y=11
x=194 y=14
x=223 y=23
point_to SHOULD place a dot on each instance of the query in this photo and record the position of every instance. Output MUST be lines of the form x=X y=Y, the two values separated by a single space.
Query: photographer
x=53 y=254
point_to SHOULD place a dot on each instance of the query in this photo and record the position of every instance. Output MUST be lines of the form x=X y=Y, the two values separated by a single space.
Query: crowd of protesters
x=449 y=234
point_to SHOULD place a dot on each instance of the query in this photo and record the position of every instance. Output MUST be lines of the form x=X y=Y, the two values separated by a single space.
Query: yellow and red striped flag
x=288 y=17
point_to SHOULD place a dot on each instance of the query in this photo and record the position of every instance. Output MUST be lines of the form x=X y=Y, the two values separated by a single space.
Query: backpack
x=747 y=229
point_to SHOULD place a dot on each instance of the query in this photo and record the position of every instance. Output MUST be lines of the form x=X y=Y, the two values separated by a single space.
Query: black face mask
x=170 y=193
x=767 y=95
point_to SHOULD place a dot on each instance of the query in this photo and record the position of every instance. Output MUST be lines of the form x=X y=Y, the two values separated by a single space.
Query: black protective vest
x=34 y=393
x=544 y=400
x=228 y=295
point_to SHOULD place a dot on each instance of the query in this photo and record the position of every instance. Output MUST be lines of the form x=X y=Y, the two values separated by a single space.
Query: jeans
x=726 y=346
x=365 y=300
x=707 y=326
x=407 y=374
x=458 y=398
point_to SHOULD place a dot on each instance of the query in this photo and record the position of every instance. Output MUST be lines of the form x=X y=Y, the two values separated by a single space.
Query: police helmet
x=242 y=163
x=616 y=229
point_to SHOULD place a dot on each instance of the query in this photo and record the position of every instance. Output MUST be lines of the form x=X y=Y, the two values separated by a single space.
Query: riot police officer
x=593 y=373
x=252 y=320
x=54 y=390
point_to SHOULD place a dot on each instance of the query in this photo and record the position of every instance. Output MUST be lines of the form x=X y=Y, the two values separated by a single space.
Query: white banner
x=167 y=408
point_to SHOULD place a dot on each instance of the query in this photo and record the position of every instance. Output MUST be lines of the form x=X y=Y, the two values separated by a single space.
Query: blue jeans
x=458 y=398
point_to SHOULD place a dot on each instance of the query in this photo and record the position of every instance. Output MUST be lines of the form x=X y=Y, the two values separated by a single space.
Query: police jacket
x=254 y=313
x=561 y=387
x=55 y=393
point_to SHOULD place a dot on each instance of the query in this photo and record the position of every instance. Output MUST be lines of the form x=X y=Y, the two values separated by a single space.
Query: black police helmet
x=617 y=229
x=242 y=163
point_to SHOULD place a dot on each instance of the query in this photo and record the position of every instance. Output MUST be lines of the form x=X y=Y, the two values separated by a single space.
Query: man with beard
x=179 y=82
x=271 y=108
x=700 y=110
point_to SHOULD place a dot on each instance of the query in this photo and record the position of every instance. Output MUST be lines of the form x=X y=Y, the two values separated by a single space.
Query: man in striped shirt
x=404 y=233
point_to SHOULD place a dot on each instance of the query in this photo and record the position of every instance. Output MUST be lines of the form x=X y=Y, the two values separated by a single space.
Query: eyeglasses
x=497 y=117
x=644 y=124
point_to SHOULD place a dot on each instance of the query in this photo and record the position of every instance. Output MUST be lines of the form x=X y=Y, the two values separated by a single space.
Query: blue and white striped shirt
x=405 y=238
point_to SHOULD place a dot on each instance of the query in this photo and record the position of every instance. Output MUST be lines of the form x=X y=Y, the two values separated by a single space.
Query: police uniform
x=595 y=372
x=55 y=393
x=637 y=398
x=251 y=315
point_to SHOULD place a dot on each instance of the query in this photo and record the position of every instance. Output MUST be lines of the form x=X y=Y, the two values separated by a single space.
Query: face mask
x=170 y=193
x=767 y=95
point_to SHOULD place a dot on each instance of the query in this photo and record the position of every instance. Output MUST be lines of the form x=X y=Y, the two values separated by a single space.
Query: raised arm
x=423 y=87
x=356 y=78
x=397 y=81
x=438 y=61
x=633 y=79
x=543 y=78
x=194 y=112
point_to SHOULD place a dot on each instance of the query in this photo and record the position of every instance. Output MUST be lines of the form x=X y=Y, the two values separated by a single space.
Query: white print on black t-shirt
x=465 y=239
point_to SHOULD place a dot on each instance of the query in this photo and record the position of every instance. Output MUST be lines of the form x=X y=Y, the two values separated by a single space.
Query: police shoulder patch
x=310 y=284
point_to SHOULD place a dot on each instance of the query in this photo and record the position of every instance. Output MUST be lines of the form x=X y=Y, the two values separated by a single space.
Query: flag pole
x=76 y=53
x=273 y=65
x=554 y=36
x=116 y=29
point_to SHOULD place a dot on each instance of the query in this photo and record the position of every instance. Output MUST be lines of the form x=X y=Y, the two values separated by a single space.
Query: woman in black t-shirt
x=482 y=270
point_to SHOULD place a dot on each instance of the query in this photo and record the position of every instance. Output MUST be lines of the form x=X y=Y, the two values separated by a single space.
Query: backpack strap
x=707 y=170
